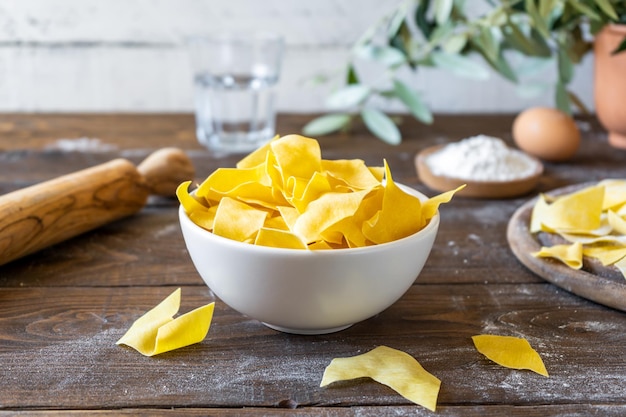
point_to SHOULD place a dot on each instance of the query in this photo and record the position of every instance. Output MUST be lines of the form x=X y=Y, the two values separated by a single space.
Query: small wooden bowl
x=475 y=189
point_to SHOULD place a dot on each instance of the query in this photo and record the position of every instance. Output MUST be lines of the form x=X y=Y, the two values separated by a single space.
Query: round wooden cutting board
x=595 y=282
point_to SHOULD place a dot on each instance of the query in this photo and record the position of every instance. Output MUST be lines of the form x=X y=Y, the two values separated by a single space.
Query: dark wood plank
x=140 y=131
x=64 y=349
x=63 y=308
x=145 y=249
x=577 y=410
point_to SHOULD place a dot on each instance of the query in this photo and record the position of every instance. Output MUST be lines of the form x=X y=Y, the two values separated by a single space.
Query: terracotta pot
x=610 y=83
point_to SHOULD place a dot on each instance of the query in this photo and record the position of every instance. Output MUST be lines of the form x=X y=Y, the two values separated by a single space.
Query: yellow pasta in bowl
x=303 y=244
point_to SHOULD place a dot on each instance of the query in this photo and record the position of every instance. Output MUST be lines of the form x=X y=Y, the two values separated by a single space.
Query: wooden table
x=62 y=309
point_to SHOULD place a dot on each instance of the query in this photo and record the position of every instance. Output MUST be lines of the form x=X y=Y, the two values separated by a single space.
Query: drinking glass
x=235 y=77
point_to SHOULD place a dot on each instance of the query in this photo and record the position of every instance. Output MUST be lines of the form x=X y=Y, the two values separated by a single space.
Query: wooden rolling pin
x=50 y=212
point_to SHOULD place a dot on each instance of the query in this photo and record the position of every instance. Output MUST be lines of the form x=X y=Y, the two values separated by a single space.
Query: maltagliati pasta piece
x=510 y=352
x=157 y=331
x=394 y=368
x=591 y=222
x=285 y=195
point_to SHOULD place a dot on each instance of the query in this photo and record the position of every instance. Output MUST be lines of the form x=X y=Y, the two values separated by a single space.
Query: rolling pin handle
x=163 y=170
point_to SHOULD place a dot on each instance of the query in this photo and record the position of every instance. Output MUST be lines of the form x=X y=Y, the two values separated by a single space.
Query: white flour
x=481 y=158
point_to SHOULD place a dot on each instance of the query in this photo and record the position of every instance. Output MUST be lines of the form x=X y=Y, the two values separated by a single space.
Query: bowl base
x=306 y=331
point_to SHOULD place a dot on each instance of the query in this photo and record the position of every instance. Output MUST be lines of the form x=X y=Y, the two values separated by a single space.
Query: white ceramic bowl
x=308 y=292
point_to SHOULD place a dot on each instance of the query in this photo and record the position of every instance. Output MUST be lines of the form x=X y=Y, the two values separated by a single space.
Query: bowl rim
x=431 y=227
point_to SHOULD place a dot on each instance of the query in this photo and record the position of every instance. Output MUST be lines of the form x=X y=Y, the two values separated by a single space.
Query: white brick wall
x=127 y=55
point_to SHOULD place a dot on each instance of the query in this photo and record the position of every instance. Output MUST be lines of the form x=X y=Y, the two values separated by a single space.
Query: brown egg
x=546 y=133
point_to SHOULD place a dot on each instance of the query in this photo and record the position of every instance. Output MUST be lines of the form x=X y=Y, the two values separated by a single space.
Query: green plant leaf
x=488 y=43
x=396 y=21
x=402 y=41
x=459 y=5
x=441 y=32
x=381 y=126
x=348 y=96
x=551 y=10
x=517 y=39
x=499 y=63
x=502 y=66
x=576 y=101
x=455 y=43
x=351 y=75
x=540 y=42
x=566 y=67
x=525 y=44
x=412 y=101
x=562 y=98
x=442 y=10
x=389 y=94
x=497 y=17
x=421 y=18
x=545 y=8
x=426 y=61
x=596 y=26
x=556 y=13
x=324 y=125
x=607 y=8
x=536 y=19
x=584 y=9
x=460 y=65
x=385 y=55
